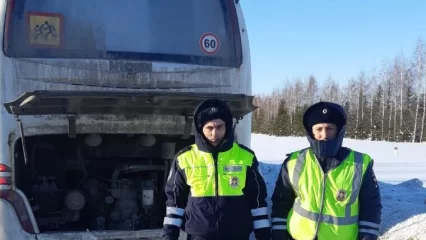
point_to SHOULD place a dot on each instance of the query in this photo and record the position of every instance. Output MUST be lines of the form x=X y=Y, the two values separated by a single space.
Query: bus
x=98 y=96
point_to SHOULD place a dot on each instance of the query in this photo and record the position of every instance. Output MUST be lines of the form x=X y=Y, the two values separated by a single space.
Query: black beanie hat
x=324 y=112
x=213 y=109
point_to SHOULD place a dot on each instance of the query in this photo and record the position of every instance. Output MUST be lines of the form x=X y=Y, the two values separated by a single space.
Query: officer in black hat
x=215 y=190
x=326 y=191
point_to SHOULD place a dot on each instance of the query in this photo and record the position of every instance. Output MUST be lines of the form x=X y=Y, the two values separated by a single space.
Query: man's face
x=324 y=131
x=214 y=131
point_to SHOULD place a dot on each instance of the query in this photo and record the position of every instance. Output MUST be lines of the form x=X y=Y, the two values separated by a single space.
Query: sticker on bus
x=45 y=29
x=209 y=43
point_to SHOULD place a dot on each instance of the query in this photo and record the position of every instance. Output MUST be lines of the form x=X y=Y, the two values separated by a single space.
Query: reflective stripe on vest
x=326 y=205
x=201 y=170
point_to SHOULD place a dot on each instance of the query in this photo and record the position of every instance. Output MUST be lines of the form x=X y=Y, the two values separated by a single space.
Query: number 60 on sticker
x=209 y=43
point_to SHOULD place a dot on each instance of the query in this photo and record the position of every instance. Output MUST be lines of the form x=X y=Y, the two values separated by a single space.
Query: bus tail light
x=15 y=199
x=4 y=180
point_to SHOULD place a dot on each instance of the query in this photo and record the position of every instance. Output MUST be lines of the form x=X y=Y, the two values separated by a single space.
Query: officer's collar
x=204 y=146
x=329 y=148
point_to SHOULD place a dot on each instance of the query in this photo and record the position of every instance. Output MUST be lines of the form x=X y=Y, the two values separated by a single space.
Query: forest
x=387 y=103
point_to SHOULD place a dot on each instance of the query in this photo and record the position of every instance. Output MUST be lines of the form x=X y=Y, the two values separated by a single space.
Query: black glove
x=170 y=238
x=171 y=233
x=281 y=235
x=263 y=234
x=366 y=236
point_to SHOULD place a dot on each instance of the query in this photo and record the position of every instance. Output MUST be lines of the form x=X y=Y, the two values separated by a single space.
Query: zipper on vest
x=322 y=204
x=216 y=191
x=323 y=193
x=216 y=181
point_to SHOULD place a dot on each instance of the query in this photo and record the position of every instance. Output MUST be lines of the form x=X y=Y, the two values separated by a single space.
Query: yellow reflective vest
x=326 y=205
x=204 y=180
x=222 y=193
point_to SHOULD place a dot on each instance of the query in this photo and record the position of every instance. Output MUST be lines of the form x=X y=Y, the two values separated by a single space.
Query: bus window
x=149 y=30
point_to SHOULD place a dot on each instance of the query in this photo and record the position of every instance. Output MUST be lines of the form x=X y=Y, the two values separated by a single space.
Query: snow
x=401 y=175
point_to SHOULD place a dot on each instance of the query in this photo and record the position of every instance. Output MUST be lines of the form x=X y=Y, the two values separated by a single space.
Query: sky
x=294 y=39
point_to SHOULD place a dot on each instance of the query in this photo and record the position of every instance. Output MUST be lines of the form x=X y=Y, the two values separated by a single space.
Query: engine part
x=46 y=183
x=109 y=200
x=94 y=190
x=147 y=197
x=126 y=203
x=75 y=200
x=97 y=182
x=147 y=140
x=70 y=216
x=46 y=201
x=116 y=192
x=93 y=140
x=126 y=208
x=100 y=221
x=115 y=216
x=148 y=190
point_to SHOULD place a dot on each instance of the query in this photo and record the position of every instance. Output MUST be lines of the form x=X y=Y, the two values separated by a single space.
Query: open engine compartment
x=96 y=182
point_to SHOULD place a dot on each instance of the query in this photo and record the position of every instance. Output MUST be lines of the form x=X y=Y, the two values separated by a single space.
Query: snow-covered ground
x=401 y=175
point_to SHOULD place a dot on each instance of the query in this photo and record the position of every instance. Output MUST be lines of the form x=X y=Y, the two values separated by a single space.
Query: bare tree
x=352 y=106
x=330 y=90
x=311 y=91
x=390 y=122
x=395 y=81
x=384 y=81
x=389 y=104
x=371 y=85
x=424 y=109
x=422 y=130
x=401 y=68
x=419 y=66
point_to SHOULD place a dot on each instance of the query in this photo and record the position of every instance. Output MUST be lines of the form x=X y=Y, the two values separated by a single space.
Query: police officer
x=214 y=185
x=326 y=191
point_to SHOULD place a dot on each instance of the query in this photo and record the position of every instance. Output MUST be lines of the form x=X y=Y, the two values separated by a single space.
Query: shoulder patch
x=246 y=148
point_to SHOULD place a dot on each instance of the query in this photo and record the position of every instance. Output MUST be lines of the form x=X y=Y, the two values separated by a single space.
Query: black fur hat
x=324 y=112
x=213 y=109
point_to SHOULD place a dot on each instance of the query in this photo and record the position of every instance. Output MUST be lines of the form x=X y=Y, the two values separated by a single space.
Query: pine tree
x=282 y=121
x=258 y=121
x=350 y=126
x=298 y=128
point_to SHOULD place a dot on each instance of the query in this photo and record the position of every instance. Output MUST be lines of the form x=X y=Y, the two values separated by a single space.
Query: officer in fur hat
x=326 y=191
x=215 y=184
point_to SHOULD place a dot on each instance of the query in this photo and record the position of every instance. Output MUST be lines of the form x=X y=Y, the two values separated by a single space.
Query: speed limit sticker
x=209 y=43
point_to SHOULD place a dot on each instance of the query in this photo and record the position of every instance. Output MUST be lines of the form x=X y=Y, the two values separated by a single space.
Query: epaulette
x=288 y=155
x=246 y=148
x=183 y=150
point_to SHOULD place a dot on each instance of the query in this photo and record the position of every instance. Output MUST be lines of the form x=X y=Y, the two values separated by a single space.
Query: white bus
x=98 y=96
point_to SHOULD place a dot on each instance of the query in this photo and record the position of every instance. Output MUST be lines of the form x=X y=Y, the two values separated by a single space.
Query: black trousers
x=215 y=237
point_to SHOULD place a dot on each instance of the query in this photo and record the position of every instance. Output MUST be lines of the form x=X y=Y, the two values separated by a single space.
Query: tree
x=377 y=119
x=282 y=121
x=258 y=120
x=298 y=128
x=311 y=94
x=389 y=105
